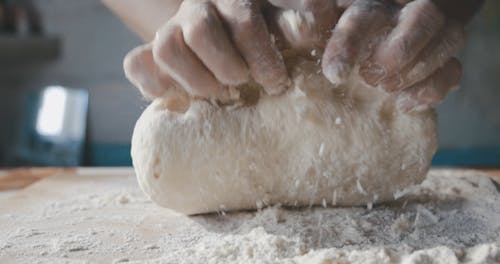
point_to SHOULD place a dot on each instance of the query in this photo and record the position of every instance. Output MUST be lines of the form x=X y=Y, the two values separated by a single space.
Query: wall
x=94 y=43
x=469 y=119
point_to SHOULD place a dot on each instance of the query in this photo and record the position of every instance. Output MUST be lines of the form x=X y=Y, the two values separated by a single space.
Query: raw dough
x=316 y=144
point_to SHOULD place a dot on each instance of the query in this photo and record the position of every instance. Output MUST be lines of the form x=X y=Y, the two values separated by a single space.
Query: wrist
x=146 y=17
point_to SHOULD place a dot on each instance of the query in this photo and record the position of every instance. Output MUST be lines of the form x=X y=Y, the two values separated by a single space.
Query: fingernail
x=406 y=104
x=372 y=73
x=224 y=95
x=391 y=84
x=336 y=73
x=280 y=88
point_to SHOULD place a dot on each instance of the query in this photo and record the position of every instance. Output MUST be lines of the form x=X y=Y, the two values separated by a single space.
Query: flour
x=451 y=218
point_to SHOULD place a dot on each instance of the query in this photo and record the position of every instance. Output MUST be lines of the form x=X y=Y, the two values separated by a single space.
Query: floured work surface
x=453 y=217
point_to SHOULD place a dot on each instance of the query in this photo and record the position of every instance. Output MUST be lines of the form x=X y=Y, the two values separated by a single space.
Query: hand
x=209 y=45
x=302 y=25
x=403 y=48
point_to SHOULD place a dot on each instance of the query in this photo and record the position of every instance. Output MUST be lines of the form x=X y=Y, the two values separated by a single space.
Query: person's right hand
x=404 y=47
x=212 y=44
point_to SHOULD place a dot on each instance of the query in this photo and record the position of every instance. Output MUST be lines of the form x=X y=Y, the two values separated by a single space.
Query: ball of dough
x=314 y=145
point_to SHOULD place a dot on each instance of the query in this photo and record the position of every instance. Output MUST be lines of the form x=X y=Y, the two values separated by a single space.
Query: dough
x=314 y=145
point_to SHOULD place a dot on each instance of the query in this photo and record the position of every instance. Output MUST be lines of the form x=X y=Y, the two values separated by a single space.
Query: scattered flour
x=453 y=217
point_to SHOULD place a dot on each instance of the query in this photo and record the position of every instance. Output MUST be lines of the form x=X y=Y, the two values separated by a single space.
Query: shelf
x=29 y=49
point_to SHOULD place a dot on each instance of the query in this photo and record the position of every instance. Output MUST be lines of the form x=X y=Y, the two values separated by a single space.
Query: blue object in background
x=102 y=155
x=468 y=157
x=52 y=129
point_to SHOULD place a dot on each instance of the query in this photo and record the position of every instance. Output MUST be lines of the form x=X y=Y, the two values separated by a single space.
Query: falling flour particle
x=338 y=121
x=360 y=187
x=321 y=149
x=334 y=198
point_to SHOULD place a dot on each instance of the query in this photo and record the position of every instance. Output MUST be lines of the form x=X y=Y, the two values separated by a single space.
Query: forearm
x=144 y=17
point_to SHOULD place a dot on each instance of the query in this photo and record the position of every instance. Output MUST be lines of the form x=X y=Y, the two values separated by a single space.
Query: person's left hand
x=211 y=45
x=403 y=48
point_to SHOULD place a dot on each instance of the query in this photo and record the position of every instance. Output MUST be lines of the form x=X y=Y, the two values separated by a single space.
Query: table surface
x=16 y=179
x=89 y=213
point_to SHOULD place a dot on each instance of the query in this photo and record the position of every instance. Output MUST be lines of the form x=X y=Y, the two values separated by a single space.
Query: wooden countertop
x=15 y=179
x=100 y=215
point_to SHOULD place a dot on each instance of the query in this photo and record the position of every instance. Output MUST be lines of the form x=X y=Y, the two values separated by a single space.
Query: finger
x=419 y=21
x=251 y=36
x=206 y=37
x=316 y=7
x=403 y=2
x=434 y=56
x=361 y=22
x=173 y=56
x=344 y=4
x=143 y=72
x=305 y=24
x=433 y=90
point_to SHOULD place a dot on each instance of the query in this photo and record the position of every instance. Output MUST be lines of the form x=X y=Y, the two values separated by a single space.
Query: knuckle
x=428 y=22
x=167 y=45
x=317 y=5
x=402 y=48
x=133 y=63
x=201 y=22
x=439 y=96
x=453 y=72
x=427 y=10
x=431 y=94
x=453 y=39
x=455 y=67
x=438 y=100
x=369 y=5
x=194 y=32
x=237 y=10
x=449 y=44
x=311 y=4
x=130 y=61
x=247 y=21
x=456 y=33
x=436 y=92
x=393 y=56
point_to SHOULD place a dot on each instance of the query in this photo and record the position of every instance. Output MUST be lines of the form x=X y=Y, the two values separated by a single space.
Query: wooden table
x=16 y=179
x=94 y=214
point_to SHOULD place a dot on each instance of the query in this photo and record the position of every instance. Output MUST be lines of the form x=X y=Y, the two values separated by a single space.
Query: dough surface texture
x=314 y=145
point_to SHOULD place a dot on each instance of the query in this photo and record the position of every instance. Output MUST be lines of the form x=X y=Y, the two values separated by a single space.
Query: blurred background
x=64 y=100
